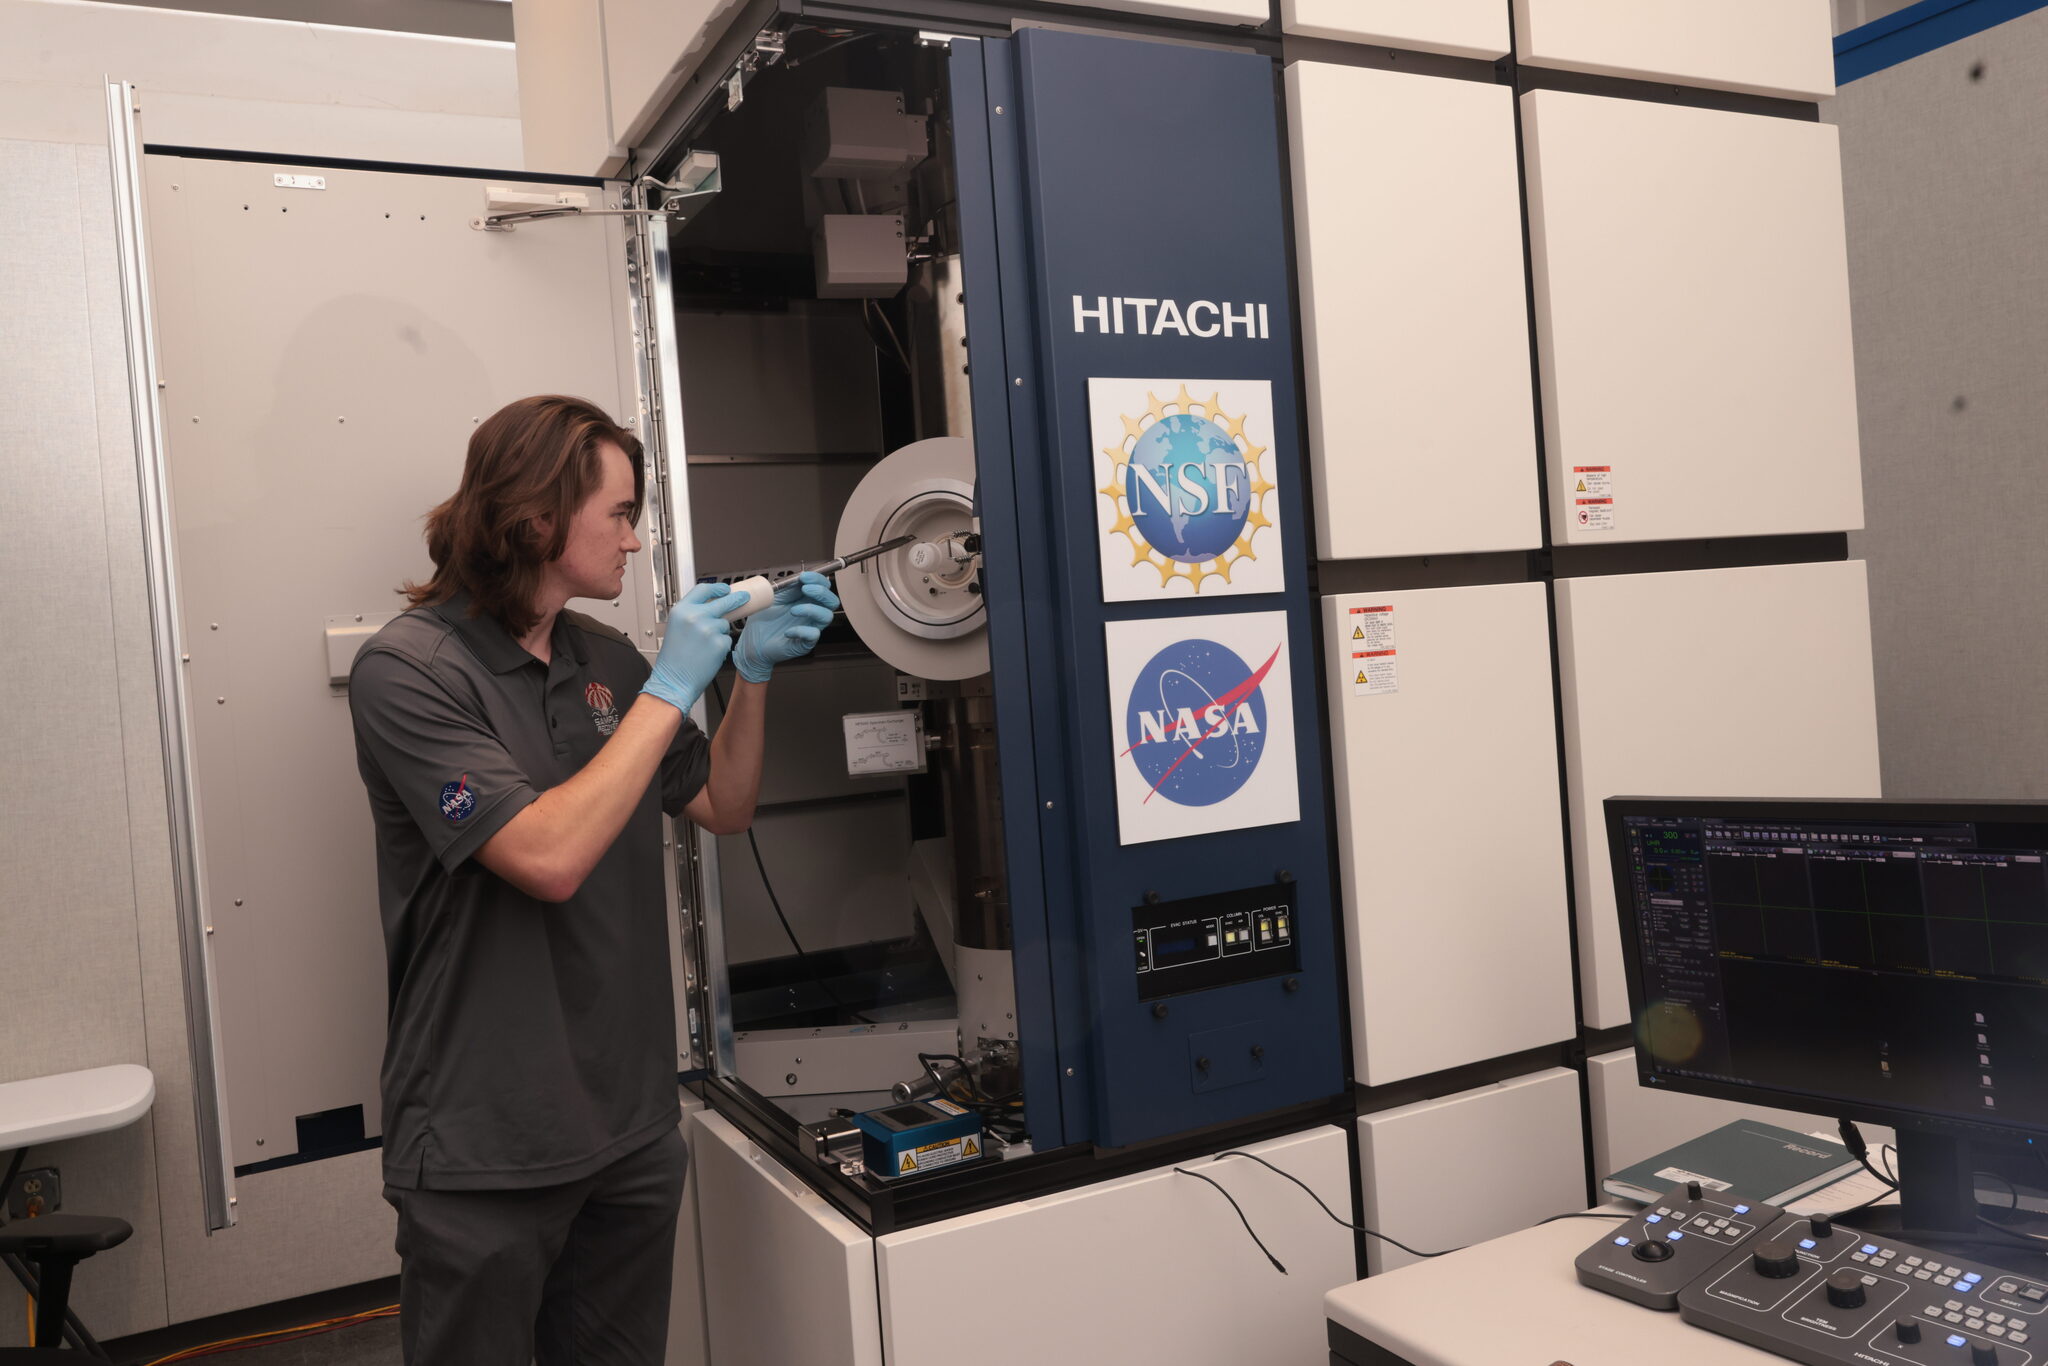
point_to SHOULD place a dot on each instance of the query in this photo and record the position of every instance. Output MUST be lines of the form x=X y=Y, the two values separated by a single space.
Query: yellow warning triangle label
x=1358 y=633
x=1361 y=676
x=1582 y=486
x=909 y=1163
x=972 y=1150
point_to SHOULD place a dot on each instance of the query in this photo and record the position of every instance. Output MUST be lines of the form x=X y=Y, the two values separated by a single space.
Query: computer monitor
x=1868 y=960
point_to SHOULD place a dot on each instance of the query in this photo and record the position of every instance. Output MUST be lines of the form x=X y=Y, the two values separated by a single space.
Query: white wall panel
x=787 y=1277
x=1461 y=1169
x=1692 y=307
x=222 y=80
x=1153 y=1267
x=1771 y=47
x=1632 y=1122
x=1460 y=946
x=1460 y=28
x=1415 y=329
x=1716 y=683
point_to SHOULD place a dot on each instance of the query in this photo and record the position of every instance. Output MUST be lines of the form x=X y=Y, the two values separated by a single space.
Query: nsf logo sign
x=1186 y=495
x=1204 y=724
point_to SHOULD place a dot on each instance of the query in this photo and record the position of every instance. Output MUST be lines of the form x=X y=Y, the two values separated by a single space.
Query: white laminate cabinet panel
x=1769 y=47
x=1461 y=1169
x=1415 y=327
x=1708 y=683
x=1457 y=28
x=1470 y=936
x=1632 y=1122
x=787 y=1278
x=650 y=46
x=564 y=104
x=1692 y=309
x=1152 y=1267
x=686 y=1343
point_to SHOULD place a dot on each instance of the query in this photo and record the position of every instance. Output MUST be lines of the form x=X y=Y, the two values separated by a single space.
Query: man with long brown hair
x=518 y=758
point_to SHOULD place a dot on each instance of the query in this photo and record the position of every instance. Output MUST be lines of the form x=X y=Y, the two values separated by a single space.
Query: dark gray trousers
x=571 y=1275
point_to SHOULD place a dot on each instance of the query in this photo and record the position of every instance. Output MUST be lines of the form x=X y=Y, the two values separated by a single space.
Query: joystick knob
x=1906 y=1331
x=1823 y=1227
x=1655 y=1251
x=1845 y=1289
x=1983 y=1354
x=1692 y=1190
x=1775 y=1261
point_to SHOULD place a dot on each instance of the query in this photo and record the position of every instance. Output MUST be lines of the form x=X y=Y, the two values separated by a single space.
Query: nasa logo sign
x=1196 y=722
x=1204 y=722
x=1186 y=499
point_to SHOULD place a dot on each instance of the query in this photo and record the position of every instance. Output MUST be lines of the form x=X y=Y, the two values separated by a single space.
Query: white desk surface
x=72 y=1104
x=1515 y=1301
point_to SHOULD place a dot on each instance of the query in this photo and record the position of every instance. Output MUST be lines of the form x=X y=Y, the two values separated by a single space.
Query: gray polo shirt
x=529 y=1043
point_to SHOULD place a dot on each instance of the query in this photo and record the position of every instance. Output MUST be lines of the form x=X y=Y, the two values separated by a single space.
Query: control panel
x=1671 y=1244
x=1823 y=1293
x=1816 y=1291
x=1209 y=941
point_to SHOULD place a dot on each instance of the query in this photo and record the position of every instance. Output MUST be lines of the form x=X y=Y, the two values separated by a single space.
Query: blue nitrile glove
x=786 y=627
x=695 y=646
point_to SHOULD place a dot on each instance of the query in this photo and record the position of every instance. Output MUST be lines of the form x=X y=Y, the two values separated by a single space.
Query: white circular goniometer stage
x=917 y=606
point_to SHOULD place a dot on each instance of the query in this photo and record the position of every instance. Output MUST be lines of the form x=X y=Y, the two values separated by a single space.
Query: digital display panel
x=1881 y=965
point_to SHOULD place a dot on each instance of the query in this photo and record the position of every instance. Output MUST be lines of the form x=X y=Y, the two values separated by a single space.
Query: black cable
x=1852 y=1139
x=1241 y=1219
x=1583 y=1214
x=2012 y=1192
x=1355 y=1228
x=810 y=968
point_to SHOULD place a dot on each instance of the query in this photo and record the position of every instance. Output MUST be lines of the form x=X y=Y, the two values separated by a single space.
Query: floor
x=373 y=1343
x=367 y=1344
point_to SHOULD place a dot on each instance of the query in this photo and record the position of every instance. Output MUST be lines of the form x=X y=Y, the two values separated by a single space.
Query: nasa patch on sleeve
x=1202 y=712
x=458 y=801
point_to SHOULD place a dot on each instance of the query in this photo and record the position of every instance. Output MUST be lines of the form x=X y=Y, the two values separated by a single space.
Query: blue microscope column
x=1095 y=170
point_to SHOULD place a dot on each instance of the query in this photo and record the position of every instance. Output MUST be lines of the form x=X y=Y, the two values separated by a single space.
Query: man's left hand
x=786 y=628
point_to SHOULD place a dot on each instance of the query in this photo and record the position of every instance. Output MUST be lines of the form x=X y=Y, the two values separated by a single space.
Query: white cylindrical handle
x=759 y=593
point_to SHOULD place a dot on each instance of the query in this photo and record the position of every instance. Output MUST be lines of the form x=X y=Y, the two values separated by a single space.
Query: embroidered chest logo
x=458 y=803
x=602 y=712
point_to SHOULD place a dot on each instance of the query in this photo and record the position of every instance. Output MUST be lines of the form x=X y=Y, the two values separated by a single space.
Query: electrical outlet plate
x=40 y=1184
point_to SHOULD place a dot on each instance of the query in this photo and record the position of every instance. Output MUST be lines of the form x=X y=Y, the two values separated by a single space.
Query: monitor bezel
x=1619 y=809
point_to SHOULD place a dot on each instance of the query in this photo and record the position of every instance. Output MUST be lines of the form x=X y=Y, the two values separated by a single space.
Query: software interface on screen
x=1897 y=966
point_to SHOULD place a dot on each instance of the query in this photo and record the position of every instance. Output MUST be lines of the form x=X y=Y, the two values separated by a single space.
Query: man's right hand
x=695 y=646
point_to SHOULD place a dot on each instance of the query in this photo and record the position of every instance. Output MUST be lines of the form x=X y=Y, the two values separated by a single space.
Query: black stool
x=55 y=1244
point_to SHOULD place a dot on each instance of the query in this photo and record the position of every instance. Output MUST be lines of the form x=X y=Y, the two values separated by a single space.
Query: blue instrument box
x=919 y=1136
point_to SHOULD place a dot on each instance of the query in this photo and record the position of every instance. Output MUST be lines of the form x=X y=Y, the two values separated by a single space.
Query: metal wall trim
x=202 y=1017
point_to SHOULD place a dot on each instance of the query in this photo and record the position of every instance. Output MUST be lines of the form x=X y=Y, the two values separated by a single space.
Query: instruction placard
x=1370 y=659
x=1593 y=497
x=881 y=742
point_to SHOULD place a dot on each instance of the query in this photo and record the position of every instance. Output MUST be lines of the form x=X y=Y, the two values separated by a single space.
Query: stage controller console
x=1819 y=1292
